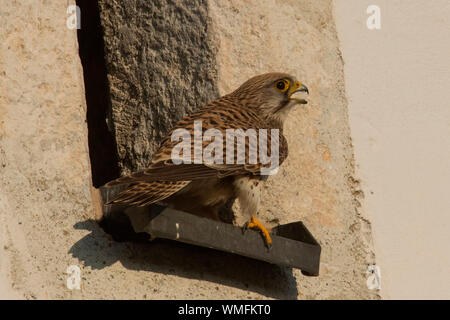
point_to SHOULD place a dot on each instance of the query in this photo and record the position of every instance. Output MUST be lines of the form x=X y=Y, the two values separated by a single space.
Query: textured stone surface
x=161 y=66
x=45 y=185
x=165 y=60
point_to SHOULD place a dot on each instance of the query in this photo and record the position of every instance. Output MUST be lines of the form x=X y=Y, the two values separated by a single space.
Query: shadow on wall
x=169 y=257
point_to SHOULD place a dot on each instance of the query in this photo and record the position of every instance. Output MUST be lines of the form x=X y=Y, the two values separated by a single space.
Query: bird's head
x=272 y=95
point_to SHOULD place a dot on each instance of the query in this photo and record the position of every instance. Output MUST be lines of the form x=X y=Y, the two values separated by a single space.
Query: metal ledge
x=292 y=244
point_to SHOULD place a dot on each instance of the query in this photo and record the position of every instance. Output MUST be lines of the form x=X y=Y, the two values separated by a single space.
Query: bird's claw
x=256 y=224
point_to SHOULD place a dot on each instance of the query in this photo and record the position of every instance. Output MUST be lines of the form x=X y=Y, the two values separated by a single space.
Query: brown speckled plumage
x=203 y=188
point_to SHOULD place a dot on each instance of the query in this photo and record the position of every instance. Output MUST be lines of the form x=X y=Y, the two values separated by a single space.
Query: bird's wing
x=222 y=119
x=143 y=193
x=163 y=178
x=171 y=172
x=162 y=167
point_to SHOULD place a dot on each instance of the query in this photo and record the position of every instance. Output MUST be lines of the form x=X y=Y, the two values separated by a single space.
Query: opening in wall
x=102 y=143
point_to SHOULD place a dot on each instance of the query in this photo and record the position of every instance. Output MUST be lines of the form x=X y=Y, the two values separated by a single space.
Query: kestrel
x=203 y=187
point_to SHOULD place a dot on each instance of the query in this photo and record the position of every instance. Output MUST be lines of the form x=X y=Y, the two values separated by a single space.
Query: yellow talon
x=256 y=224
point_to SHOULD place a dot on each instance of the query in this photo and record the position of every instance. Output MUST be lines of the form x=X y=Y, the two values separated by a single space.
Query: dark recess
x=102 y=143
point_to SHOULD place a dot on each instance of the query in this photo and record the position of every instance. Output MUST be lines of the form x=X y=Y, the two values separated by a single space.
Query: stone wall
x=161 y=66
x=163 y=60
x=45 y=178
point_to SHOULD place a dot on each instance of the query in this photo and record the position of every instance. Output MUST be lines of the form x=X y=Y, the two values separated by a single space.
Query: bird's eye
x=282 y=85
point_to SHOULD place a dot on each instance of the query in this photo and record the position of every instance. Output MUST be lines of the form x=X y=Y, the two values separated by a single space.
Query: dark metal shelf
x=292 y=244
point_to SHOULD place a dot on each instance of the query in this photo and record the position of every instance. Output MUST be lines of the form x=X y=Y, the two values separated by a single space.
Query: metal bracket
x=292 y=244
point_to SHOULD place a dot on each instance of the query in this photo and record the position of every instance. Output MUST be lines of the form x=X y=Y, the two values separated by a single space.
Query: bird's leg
x=256 y=224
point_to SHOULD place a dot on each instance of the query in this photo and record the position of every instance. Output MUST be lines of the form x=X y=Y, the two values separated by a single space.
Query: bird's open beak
x=298 y=87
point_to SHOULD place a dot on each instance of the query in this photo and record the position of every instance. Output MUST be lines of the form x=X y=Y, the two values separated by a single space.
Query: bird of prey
x=203 y=187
